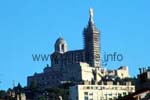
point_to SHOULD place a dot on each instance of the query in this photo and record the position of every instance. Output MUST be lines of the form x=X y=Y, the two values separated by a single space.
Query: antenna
x=60 y=34
x=13 y=83
x=0 y=80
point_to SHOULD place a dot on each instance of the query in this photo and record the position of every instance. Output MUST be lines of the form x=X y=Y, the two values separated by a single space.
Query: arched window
x=56 y=60
x=62 y=47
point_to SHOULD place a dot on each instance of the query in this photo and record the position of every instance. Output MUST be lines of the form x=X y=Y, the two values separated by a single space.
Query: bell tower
x=60 y=45
x=91 y=42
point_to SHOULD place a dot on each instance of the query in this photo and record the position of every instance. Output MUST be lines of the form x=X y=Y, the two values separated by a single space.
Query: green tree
x=2 y=94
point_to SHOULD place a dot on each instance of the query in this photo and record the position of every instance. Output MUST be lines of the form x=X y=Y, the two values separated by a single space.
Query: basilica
x=79 y=66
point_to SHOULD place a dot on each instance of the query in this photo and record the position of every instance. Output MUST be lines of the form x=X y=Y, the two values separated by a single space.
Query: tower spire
x=91 y=13
x=91 y=42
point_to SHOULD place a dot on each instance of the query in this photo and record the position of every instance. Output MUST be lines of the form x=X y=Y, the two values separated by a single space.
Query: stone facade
x=143 y=79
x=100 y=92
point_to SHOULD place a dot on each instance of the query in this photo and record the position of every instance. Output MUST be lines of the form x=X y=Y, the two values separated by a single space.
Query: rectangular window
x=124 y=94
x=86 y=98
x=88 y=87
x=85 y=93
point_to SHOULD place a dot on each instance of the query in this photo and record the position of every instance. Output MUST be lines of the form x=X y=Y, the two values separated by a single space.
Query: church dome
x=60 y=40
x=60 y=45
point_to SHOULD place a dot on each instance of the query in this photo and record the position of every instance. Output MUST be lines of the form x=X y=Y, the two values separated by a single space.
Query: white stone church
x=79 y=66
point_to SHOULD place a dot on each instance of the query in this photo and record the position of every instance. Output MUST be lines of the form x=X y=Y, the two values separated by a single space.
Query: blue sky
x=31 y=27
